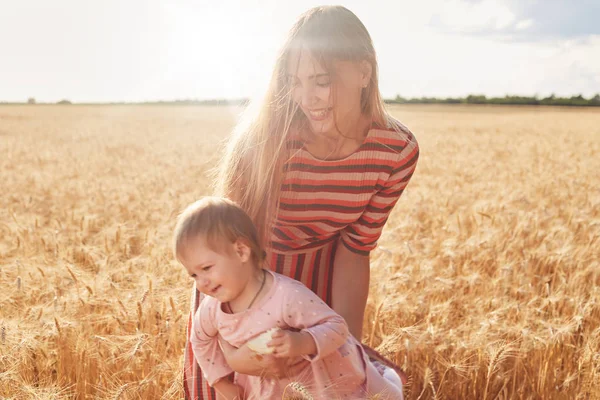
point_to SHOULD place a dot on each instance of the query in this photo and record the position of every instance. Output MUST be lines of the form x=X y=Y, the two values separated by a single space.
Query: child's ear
x=242 y=250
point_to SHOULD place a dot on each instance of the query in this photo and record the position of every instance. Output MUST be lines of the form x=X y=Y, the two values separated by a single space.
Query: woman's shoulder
x=394 y=132
x=397 y=144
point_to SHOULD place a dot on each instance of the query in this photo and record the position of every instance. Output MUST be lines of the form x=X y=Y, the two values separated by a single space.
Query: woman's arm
x=350 y=287
x=351 y=271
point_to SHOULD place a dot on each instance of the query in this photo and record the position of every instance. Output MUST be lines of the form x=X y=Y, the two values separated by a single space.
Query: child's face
x=224 y=274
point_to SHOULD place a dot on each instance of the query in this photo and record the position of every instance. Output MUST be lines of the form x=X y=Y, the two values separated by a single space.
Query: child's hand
x=245 y=361
x=292 y=344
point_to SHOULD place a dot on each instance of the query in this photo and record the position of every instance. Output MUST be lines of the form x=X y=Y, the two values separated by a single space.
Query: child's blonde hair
x=218 y=221
x=252 y=168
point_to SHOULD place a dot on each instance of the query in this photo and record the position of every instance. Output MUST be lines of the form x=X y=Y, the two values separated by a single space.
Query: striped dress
x=323 y=204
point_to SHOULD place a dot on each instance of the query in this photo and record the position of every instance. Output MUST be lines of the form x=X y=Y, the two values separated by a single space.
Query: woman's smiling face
x=330 y=100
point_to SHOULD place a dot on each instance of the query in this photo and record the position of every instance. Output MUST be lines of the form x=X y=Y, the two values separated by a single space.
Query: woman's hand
x=246 y=361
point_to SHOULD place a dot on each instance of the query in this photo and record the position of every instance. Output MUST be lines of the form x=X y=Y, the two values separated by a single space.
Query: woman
x=318 y=164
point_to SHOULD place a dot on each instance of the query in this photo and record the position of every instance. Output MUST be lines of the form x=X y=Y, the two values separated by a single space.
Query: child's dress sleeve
x=205 y=343
x=361 y=236
x=303 y=309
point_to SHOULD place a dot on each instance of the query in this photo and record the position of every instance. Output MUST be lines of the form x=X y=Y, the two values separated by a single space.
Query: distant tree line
x=506 y=100
x=577 y=101
x=210 y=102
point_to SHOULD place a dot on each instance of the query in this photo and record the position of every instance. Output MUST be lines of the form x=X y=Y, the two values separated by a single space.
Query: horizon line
x=235 y=100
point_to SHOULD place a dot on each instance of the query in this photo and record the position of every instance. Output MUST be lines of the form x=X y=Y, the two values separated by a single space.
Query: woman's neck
x=350 y=129
x=339 y=144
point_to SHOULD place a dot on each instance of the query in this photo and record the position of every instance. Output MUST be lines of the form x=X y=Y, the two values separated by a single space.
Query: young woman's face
x=223 y=275
x=313 y=91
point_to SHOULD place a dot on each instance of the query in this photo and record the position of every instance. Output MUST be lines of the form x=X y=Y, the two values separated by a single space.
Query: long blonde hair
x=252 y=168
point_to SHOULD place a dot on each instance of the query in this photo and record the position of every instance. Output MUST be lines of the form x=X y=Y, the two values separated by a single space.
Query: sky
x=146 y=50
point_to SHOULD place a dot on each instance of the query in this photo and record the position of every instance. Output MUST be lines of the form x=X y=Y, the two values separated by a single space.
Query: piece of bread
x=258 y=344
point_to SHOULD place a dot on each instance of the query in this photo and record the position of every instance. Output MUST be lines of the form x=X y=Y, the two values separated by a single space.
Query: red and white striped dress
x=323 y=203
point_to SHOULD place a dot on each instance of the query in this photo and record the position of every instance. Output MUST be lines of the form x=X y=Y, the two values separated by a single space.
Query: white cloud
x=524 y=24
x=518 y=20
x=464 y=16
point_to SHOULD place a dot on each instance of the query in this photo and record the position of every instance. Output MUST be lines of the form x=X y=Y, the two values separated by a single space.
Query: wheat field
x=486 y=283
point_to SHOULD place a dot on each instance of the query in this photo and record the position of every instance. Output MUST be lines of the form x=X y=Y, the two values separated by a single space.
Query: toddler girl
x=217 y=243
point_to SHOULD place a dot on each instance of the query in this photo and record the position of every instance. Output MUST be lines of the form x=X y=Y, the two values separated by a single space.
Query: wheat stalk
x=523 y=264
x=298 y=389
